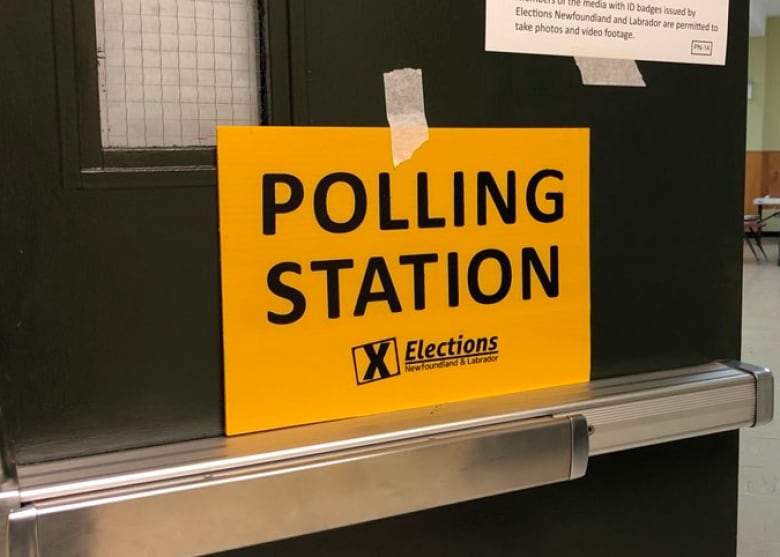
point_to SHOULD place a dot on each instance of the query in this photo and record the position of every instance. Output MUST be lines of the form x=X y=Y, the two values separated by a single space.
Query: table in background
x=767 y=201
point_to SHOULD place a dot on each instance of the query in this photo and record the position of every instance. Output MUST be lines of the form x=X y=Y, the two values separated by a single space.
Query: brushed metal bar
x=283 y=483
x=81 y=475
x=23 y=534
x=9 y=489
x=9 y=502
x=308 y=494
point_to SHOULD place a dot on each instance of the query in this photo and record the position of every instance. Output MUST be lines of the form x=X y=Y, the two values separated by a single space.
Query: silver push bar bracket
x=279 y=484
x=9 y=489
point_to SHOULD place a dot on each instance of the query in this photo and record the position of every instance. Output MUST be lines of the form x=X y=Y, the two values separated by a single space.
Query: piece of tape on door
x=405 y=105
x=609 y=72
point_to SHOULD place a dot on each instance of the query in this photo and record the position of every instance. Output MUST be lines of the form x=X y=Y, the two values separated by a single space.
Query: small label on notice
x=701 y=48
x=684 y=31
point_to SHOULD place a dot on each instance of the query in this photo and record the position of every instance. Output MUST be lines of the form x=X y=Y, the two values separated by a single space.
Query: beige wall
x=771 y=120
x=763 y=110
x=772 y=100
x=755 y=105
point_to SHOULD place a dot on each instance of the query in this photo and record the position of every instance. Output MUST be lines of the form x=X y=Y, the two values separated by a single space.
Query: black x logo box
x=376 y=361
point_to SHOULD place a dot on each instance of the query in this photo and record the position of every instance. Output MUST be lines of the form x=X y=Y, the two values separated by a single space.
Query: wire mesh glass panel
x=169 y=71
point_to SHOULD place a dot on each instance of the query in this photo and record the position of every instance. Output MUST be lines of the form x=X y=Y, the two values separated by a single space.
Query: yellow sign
x=350 y=287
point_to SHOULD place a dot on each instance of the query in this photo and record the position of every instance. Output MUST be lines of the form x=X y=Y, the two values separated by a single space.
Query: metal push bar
x=217 y=494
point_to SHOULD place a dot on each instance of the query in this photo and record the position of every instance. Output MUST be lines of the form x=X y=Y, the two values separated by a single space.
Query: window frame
x=86 y=164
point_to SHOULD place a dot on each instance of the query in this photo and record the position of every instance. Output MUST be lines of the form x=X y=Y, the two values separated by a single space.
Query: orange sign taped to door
x=351 y=287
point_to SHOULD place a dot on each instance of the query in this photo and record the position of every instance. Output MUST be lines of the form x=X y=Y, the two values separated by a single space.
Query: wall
x=763 y=110
x=772 y=98
x=762 y=163
x=755 y=105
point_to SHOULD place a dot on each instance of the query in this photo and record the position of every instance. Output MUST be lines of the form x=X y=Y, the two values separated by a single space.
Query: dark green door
x=109 y=287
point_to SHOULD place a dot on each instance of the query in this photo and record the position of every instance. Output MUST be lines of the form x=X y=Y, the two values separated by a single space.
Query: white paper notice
x=686 y=31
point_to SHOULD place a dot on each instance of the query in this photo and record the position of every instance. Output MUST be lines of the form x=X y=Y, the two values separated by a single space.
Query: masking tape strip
x=405 y=112
x=603 y=71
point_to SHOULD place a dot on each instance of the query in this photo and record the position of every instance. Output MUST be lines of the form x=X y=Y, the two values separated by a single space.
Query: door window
x=170 y=71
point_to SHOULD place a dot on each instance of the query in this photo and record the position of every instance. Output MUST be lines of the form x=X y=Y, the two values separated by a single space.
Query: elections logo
x=376 y=361
x=457 y=351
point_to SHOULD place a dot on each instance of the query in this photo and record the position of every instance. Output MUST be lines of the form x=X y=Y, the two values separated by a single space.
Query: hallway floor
x=759 y=476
